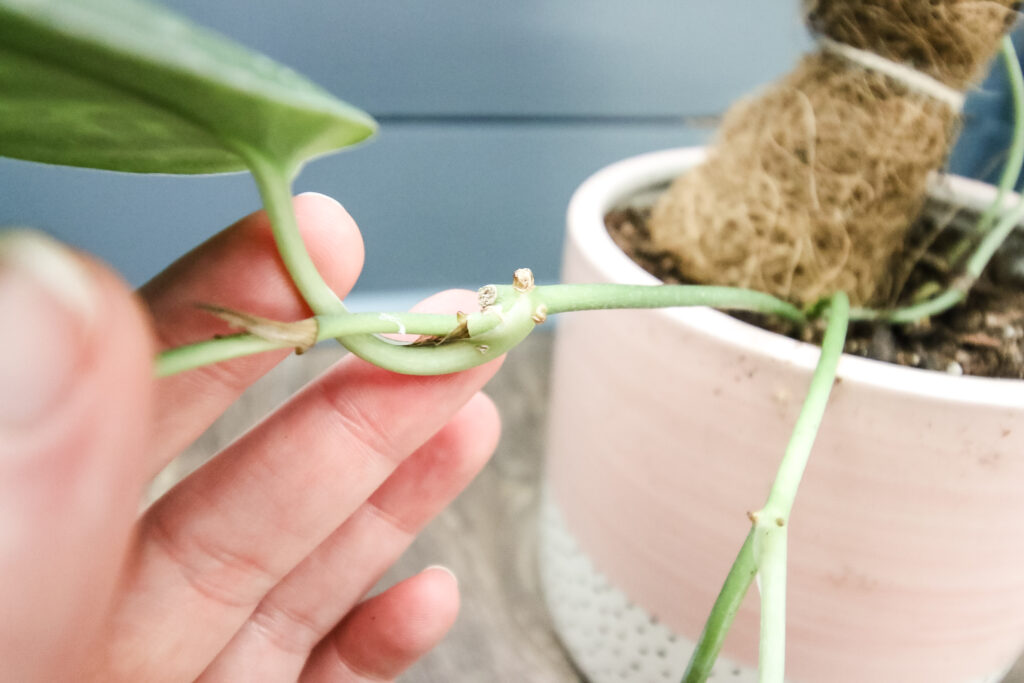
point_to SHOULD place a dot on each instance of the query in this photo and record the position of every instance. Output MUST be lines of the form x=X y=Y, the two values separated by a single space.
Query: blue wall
x=491 y=114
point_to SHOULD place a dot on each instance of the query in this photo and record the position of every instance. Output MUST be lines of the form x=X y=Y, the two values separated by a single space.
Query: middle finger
x=213 y=547
x=307 y=605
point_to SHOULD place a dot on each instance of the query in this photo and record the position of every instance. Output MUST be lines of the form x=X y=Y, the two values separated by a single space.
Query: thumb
x=75 y=385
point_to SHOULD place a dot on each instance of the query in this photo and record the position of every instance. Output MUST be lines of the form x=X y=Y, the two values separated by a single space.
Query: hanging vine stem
x=719 y=621
x=772 y=521
x=764 y=550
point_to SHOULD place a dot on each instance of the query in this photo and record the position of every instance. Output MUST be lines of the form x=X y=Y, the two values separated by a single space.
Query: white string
x=908 y=76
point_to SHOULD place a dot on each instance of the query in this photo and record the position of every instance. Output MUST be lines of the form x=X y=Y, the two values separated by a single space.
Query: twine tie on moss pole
x=915 y=80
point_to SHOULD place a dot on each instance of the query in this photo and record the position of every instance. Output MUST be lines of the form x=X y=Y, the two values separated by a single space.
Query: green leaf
x=126 y=85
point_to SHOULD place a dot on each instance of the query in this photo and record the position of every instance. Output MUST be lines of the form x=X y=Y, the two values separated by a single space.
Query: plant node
x=460 y=331
x=301 y=335
x=487 y=296
x=522 y=281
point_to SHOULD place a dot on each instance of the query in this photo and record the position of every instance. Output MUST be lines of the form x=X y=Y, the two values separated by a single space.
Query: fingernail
x=329 y=198
x=444 y=569
x=47 y=305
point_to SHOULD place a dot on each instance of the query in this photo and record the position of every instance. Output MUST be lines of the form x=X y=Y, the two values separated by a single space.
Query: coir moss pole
x=813 y=183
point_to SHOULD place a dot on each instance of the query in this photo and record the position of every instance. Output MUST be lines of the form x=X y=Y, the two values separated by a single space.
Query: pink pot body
x=907 y=539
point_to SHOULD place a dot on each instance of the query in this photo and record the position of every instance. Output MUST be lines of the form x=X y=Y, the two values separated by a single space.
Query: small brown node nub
x=487 y=296
x=522 y=281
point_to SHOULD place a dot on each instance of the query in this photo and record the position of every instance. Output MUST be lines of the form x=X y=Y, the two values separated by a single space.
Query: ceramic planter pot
x=907 y=538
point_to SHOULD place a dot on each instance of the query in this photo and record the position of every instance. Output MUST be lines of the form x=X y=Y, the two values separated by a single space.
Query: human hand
x=255 y=567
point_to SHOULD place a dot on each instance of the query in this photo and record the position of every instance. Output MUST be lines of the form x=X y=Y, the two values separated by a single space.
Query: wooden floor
x=487 y=537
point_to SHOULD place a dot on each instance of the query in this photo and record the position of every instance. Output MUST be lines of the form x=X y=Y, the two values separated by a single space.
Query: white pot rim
x=614 y=183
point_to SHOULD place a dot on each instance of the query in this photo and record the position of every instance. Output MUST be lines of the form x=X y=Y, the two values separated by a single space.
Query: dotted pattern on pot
x=611 y=639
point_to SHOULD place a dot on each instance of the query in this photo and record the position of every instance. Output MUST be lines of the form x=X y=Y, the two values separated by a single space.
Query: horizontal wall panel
x=529 y=57
x=439 y=205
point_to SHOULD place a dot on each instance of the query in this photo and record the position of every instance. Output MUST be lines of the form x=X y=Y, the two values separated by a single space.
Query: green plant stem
x=772 y=521
x=493 y=333
x=274 y=183
x=994 y=239
x=764 y=550
x=492 y=328
x=719 y=621
x=192 y=356
x=328 y=327
x=565 y=298
x=783 y=491
x=934 y=306
x=959 y=290
x=770 y=546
